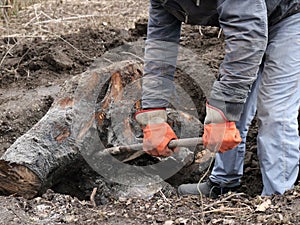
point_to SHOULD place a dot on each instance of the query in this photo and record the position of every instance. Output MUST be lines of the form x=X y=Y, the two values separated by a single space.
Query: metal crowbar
x=184 y=142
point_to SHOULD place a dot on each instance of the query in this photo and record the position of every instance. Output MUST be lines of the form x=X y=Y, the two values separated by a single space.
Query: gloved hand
x=157 y=132
x=219 y=133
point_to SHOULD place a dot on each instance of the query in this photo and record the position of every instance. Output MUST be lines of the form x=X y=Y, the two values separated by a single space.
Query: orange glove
x=219 y=133
x=157 y=132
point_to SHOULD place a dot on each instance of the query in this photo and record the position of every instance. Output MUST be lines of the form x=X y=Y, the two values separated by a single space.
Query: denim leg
x=228 y=167
x=277 y=108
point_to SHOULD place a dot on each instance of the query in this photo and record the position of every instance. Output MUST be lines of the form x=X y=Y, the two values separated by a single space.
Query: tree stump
x=92 y=112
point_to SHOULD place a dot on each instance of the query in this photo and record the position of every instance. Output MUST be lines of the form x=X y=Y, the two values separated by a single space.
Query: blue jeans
x=275 y=97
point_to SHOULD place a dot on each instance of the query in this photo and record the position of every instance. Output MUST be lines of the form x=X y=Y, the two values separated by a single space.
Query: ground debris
x=29 y=83
x=233 y=208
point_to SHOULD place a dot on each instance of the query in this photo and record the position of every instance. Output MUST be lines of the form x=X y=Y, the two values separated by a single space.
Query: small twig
x=223 y=200
x=37 y=15
x=200 y=30
x=129 y=53
x=49 y=17
x=224 y=210
x=64 y=40
x=27 y=36
x=195 y=218
x=6 y=6
x=108 y=60
x=134 y=156
x=220 y=32
x=64 y=19
x=8 y=52
x=92 y=197
x=22 y=57
x=201 y=196
x=5 y=16
x=163 y=195
x=246 y=206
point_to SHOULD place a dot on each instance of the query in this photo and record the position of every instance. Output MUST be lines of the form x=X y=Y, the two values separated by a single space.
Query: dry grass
x=31 y=18
x=12 y=7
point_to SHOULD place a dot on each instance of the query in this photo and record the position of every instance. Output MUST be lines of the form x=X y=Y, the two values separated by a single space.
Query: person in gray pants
x=260 y=75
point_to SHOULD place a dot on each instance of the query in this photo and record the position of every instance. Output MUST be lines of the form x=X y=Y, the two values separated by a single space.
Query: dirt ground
x=52 y=41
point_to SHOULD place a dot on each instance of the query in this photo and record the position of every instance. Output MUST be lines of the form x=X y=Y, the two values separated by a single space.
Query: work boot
x=208 y=189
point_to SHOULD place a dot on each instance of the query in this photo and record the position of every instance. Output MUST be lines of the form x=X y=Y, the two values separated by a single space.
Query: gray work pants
x=276 y=98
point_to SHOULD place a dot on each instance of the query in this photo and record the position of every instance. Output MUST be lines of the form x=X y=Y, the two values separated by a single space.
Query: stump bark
x=51 y=147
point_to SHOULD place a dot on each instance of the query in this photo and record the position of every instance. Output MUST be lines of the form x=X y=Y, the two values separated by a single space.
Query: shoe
x=208 y=189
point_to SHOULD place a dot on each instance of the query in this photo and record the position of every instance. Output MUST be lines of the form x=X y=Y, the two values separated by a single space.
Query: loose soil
x=49 y=43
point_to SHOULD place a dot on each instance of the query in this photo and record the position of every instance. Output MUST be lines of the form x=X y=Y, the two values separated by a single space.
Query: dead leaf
x=263 y=206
